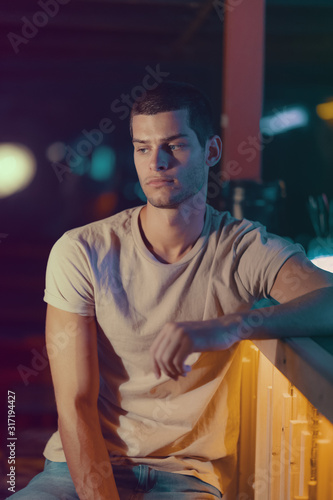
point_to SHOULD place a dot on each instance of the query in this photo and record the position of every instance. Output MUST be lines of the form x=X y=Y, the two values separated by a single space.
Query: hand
x=170 y=349
x=176 y=341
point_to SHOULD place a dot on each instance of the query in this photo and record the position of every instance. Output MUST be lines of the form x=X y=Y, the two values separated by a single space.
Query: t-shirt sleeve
x=68 y=278
x=259 y=255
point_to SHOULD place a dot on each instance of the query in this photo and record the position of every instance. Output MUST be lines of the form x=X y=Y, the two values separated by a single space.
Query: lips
x=159 y=181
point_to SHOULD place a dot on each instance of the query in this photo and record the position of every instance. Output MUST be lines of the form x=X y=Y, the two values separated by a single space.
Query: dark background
x=64 y=80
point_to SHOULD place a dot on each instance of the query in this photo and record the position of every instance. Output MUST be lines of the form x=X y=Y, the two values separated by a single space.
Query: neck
x=171 y=233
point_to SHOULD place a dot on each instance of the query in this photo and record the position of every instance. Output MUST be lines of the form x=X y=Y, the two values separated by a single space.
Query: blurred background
x=70 y=70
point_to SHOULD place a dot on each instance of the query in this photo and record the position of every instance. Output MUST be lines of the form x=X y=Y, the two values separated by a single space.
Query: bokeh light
x=56 y=151
x=17 y=168
x=284 y=120
x=103 y=163
x=325 y=110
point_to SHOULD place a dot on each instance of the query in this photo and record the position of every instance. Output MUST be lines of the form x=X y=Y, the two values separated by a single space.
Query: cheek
x=196 y=167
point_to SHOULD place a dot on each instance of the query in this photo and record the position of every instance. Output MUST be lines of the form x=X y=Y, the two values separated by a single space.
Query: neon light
x=284 y=120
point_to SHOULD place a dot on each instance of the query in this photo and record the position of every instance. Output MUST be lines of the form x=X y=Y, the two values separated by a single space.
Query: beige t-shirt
x=189 y=426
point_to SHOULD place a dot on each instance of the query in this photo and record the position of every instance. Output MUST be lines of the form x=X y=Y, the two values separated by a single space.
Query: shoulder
x=102 y=231
x=89 y=244
x=245 y=236
x=231 y=227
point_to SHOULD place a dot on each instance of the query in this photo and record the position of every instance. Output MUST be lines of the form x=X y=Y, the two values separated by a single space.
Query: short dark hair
x=172 y=96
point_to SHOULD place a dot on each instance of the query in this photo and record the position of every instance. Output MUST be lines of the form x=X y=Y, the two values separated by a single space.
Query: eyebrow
x=165 y=139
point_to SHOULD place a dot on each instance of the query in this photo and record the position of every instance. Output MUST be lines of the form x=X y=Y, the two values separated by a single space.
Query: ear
x=213 y=150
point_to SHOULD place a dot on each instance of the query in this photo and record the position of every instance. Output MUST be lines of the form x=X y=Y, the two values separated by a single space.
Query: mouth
x=159 y=182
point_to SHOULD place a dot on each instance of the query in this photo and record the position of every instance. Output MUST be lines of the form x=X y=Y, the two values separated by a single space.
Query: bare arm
x=305 y=294
x=71 y=342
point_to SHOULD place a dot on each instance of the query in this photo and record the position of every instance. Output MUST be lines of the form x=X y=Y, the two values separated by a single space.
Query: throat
x=169 y=241
x=167 y=257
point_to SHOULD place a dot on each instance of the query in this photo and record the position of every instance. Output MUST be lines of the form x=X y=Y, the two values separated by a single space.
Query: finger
x=155 y=348
x=161 y=350
x=161 y=358
x=179 y=360
x=165 y=331
x=169 y=351
x=172 y=359
x=165 y=364
x=167 y=368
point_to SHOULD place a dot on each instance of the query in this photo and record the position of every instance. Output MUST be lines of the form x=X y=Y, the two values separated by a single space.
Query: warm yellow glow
x=17 y=168
x=294 y=442
x=325 y=110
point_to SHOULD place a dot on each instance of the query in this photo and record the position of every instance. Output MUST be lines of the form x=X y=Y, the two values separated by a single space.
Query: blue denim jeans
x=139 y=482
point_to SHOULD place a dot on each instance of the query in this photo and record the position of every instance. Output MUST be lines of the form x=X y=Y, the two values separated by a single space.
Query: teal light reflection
x=103 y=163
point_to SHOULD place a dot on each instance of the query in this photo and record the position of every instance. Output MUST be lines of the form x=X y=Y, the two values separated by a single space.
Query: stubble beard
x=178 y=200
x=171 y=203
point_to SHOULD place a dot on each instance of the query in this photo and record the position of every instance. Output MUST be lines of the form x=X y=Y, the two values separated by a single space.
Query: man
x=145 y=313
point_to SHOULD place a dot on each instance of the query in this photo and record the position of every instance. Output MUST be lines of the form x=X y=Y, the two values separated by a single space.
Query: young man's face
x=169 y=159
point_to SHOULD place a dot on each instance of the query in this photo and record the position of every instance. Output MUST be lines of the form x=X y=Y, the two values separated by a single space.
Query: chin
x=170 y=203
x=160 y=204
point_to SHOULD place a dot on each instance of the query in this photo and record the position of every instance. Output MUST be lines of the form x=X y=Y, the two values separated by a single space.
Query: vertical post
x=242 y=88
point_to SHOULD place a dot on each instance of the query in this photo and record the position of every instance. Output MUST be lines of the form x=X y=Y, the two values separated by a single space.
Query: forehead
x=162 y=125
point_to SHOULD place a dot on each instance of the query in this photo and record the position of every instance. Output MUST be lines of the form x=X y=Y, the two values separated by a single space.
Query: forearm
x=307 y=316
x=87 y=456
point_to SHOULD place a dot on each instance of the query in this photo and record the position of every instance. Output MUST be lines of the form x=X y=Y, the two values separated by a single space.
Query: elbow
x=79 y=407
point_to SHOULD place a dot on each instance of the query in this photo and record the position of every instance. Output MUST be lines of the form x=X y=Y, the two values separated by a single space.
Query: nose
x=159 y=160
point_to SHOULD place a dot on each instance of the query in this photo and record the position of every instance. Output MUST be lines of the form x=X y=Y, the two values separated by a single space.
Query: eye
x=175 y=147
x=142 y=150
